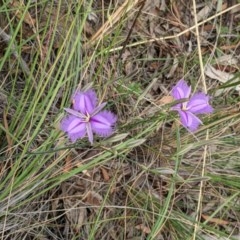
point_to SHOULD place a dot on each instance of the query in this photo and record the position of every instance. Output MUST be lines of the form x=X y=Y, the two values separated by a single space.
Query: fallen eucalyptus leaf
x=222 y=77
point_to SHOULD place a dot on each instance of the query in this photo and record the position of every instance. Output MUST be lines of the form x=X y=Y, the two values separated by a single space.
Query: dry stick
x=179 y=34
x=131 y=29
x=202 y=183
x=6 y=38
x=9 y=139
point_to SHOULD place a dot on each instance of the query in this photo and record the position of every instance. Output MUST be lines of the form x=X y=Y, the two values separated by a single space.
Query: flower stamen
x=184 y=106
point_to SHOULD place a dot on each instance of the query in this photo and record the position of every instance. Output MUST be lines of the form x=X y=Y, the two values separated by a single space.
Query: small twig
x=131 y=29
x=6 y=38
x=9 y=140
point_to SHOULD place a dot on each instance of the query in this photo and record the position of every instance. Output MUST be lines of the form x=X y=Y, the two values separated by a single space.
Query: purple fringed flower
x=198 y=103
x=87 y=118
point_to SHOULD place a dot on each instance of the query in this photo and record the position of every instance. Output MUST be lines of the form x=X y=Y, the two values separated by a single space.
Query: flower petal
x=198 y=104
x=181 y=90
x=103 y=123
x=177 y=107
x=189 y=120
x=74 y=127
x=98 y=108
x=85 y=102
x=75 y=113
x=89 y=132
